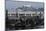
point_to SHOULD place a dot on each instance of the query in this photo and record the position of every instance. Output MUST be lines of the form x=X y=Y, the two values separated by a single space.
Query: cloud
x=29 y=0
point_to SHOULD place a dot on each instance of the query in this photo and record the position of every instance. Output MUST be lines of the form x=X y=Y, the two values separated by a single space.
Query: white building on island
x=20 y=12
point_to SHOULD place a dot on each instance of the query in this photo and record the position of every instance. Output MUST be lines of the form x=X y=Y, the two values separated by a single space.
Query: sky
x=12 y=5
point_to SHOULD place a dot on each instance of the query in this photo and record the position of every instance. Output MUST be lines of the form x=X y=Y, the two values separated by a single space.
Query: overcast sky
x=12 y=5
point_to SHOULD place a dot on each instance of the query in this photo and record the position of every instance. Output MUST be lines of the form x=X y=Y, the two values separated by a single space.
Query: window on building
x=28 y=14
x=8 y=14
x=21 y=14
x=13 y=14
